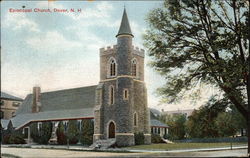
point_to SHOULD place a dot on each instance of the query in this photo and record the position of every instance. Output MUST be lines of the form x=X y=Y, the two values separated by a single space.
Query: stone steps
x=103 y=143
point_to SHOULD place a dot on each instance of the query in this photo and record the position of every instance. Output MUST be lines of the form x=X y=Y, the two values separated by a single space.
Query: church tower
x=121 y=96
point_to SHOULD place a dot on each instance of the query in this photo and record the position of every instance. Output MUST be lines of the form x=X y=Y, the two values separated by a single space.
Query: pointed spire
x=124 y=27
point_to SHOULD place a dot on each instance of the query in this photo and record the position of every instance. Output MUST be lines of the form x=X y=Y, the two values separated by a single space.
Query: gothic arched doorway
x=111 y=130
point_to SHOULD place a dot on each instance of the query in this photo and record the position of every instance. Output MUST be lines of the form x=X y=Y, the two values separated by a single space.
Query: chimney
x=36 y=105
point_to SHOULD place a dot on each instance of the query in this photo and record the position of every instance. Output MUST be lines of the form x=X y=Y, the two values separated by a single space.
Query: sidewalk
x=190 y=150
x=82 y=148
x=73 y=151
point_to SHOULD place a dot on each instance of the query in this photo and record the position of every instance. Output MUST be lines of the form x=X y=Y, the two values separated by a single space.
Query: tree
x=87 y=132
x=176 y=125
x=226 y=124
x=212 y=120
x=238 y=119
x=60 y=133
x=73 y=132
x=201 y=123
x=202 y=41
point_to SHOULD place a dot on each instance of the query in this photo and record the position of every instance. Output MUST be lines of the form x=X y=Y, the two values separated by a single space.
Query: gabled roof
x=155 y=112
x=77 y=103
x=125 y=27
x=76 y=98
x=56 y=105
x=157 y=123
x=10 y=97
x=4 y=123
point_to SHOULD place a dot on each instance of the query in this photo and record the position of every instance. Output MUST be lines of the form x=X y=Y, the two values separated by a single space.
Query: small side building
x=157 y=127
x=9 y=105
x=186 y=112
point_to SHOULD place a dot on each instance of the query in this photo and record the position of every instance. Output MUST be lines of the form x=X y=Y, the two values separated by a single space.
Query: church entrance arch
x=111 y=130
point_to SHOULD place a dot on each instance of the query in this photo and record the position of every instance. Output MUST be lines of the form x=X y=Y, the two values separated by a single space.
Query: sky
x=61 y=50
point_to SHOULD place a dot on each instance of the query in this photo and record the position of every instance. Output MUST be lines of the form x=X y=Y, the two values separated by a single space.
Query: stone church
x=117 y=105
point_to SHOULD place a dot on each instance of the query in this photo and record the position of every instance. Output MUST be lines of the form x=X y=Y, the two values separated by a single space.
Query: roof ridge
x=61 y=90
x=5 y=95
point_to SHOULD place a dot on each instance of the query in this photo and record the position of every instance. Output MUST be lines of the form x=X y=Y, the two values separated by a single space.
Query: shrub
x=34 y=132
x=13 y=139
x=139 y=138
x=46 y=132
x=42 y=135
x=16 y=139
x=87 y=132
x=166 y=136
x=156 y=138
x=61 y=136
x=6 y=139
x=73 y=132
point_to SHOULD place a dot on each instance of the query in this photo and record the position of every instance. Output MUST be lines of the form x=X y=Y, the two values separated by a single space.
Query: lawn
x=177 y=146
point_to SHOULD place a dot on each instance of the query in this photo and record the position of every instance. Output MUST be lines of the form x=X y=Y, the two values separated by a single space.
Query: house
x=186 y=112
x=9 y=105
x=157 y=127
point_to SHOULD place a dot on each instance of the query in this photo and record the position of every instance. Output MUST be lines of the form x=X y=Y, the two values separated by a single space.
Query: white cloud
x=100 y=11
x=100 y=15
x=52 y=41
x=18 y=21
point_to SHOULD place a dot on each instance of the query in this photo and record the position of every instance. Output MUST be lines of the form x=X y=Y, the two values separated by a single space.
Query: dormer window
x=134 y=67
x=112 y=67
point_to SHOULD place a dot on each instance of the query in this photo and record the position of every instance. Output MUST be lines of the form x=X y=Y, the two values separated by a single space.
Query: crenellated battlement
x=112 y=49
x=138 y=51
x=108 y=50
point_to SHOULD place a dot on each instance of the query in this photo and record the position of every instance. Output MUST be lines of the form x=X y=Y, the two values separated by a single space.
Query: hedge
x=213 y=140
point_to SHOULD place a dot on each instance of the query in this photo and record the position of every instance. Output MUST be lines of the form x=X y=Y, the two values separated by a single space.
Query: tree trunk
x=248 y=88
x=248 y=129
x=248 y=112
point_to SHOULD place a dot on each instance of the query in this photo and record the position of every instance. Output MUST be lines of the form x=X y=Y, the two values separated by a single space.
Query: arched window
x=112 y=68
x=111 y=95
x=134 y=67
x=135 y=119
